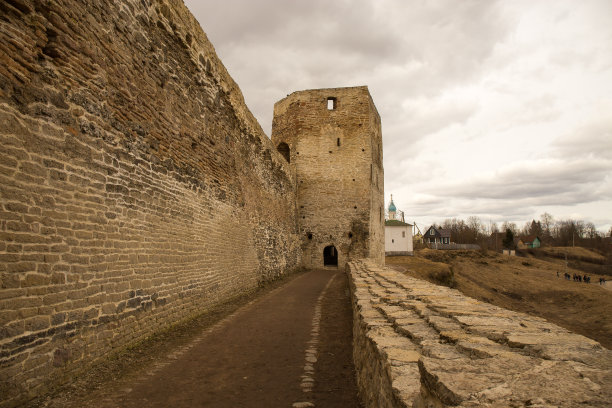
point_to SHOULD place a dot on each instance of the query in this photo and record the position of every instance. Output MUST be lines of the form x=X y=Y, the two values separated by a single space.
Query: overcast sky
x=498 y=109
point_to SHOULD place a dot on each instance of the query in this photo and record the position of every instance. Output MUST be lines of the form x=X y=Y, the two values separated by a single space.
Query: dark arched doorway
x=330 y=256
x=283 y=148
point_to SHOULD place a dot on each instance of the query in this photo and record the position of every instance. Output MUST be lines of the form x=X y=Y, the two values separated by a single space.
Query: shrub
x=444 y=277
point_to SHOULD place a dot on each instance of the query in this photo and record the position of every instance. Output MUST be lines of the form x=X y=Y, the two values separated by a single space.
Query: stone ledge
x=421 y=345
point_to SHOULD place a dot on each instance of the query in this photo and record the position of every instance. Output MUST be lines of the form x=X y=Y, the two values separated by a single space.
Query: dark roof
x=395 y=223
x=530 y=238
x=444 y=233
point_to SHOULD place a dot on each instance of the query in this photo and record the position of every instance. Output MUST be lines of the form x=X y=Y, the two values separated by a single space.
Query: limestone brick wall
x=335 y=146
x=136 y=188
x=377 y=218
x=416 y=344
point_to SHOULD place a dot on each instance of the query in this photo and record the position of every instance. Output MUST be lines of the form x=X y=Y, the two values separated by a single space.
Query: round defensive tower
x=333 y=140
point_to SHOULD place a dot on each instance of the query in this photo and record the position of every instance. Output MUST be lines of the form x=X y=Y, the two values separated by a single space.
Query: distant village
x=403 y=237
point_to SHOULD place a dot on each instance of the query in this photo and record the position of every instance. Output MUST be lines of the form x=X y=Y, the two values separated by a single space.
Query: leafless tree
x=475 y=226
x=547 y=223
x=510 y=226
x=590 y=230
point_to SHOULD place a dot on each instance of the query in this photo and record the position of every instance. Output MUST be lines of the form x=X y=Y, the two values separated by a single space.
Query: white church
x=398 y=234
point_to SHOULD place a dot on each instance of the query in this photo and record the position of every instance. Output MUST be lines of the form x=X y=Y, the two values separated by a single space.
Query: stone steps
x=436 y=347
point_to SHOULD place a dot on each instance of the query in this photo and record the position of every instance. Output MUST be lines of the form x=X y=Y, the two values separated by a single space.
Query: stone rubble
x=421 y=345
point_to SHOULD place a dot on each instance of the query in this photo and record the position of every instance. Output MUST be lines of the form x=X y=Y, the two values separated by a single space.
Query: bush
x=444 y=277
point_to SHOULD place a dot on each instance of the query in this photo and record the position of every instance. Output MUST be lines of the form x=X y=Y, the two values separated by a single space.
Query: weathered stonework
x=421 y=345
x=136 y=188
x=332 y=137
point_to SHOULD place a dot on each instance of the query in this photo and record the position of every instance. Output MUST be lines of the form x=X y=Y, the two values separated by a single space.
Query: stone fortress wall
x=136 y=188
x=332 y=138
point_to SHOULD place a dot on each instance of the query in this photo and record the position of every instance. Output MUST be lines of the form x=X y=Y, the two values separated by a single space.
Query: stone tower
x=333 y=140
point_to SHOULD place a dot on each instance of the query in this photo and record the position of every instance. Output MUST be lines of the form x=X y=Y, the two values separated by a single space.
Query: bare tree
x=580 y=228
x=510 y=226
x=550 y=231
x=590 y=231
x=547 y=224
x=526 y=229
x=475 y=226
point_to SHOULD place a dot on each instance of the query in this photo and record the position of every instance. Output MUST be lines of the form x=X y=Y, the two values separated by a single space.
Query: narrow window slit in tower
x=331 y=103
x=283 y=149
x=338 y=141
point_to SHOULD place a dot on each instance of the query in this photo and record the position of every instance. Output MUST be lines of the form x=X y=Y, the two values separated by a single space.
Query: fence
x=453 y=246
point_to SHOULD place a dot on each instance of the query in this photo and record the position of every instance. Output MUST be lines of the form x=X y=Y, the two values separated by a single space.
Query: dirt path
x=334 y=371
x=291 y=347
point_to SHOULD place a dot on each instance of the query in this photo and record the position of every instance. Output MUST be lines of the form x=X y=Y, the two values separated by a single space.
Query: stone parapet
x=421 y=345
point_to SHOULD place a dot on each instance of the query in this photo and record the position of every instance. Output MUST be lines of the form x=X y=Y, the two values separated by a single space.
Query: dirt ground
x=523 y=284
x=248 y=352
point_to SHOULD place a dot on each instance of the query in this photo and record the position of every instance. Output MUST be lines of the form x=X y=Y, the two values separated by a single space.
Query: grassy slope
x=528 y=285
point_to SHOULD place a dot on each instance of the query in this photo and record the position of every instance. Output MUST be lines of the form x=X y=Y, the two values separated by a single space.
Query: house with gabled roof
x=435 y=235
x=529 y=241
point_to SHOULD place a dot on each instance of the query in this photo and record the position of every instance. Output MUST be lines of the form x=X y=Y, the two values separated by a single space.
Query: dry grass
x=423 y=268
x=528 y=285
x=577 y=253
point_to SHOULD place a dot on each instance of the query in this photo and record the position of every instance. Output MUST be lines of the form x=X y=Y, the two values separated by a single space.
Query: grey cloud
x=437 y=116
x=348 y=27
x=539 y=109
x=593 y=140
x=550 y=183
x=286 y=46
x=450 y=38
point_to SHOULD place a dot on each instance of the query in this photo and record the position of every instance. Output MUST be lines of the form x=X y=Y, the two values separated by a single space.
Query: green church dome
x=392 y=206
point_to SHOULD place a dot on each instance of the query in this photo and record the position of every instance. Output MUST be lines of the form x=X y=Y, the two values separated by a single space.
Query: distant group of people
x=578 y=278
x=584 y=278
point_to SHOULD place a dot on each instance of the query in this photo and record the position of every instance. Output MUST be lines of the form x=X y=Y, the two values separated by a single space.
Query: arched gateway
x=330 y=256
